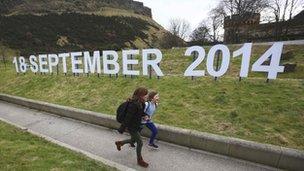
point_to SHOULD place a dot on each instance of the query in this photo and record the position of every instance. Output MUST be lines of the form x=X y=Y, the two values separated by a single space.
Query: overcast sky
x=193 y=11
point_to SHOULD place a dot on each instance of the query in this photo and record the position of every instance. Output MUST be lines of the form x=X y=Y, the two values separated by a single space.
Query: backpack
x=121 y=112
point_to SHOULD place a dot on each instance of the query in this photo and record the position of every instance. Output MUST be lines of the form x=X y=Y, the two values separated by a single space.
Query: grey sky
x=193 y=11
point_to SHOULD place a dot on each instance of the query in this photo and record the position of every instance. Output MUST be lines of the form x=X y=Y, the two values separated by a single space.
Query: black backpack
x=121 y=112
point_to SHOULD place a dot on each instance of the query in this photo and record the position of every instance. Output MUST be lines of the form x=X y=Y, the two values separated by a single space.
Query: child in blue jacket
x=150 y=107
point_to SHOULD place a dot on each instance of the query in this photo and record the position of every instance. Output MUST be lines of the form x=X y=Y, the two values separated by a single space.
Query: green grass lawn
x=20 y=150
x=251 y=109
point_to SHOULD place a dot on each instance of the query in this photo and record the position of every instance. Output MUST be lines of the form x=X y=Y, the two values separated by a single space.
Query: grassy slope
x=251 y=109
x=20 y=150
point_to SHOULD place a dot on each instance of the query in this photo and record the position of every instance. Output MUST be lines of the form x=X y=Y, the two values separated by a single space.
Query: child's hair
x=138 y=93
x=151 y=95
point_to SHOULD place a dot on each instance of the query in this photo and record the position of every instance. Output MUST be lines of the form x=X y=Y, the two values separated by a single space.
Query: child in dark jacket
x=134 y=114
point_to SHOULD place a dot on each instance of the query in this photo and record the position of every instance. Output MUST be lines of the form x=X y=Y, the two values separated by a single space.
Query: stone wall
x=239 y=29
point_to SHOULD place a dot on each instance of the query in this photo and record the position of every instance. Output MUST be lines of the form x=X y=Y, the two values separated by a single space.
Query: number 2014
x=272 y=69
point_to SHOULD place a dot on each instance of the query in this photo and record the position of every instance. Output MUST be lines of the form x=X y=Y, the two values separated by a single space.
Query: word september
x=92 y=64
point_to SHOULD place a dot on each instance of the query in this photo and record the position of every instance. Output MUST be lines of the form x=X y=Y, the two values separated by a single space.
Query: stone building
x=247 y=28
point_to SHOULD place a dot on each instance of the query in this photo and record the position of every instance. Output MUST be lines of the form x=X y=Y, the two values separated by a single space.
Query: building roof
x=299 y=16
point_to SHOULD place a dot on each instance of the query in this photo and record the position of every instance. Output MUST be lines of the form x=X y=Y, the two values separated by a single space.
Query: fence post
x=4 y=60
x=193 y=59
x=131 y=67
x=158 y=77
x=150 y=69
x=217 y=63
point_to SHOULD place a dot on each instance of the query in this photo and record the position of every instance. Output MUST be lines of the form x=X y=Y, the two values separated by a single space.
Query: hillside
x=14 y=7
x=52 y=26
x=251 y=109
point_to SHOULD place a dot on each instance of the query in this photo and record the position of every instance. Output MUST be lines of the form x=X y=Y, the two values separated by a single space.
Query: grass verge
x=20 y=150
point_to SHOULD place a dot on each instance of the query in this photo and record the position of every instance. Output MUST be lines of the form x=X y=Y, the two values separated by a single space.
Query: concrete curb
x=275 y=156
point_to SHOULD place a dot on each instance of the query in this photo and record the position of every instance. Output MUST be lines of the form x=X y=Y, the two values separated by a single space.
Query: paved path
x=99 y=141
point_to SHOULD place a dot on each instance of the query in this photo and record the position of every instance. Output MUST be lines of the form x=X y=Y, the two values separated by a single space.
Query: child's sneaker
x=132 y=145
x=153 y=146
x=118 y=145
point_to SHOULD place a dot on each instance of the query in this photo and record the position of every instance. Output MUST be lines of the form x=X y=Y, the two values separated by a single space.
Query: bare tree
x=217 y=16
x=283 y=12
x=285 y=9
x=180 y=28
x=244 y=6
x=282 y=9
x=201 y=34
x=275 y=6
x=294 y=4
